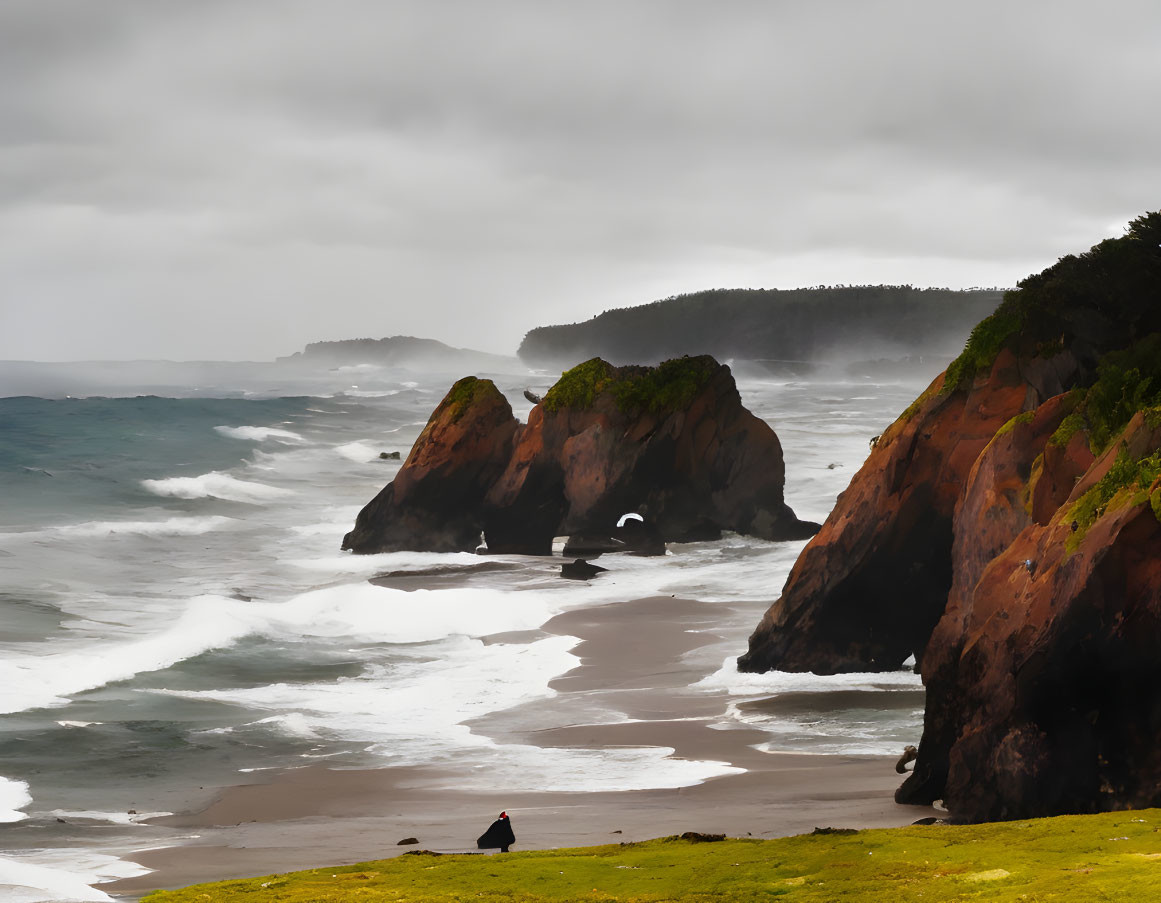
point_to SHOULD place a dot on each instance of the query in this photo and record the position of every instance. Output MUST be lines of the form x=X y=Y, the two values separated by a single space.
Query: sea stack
x=671 y=442
x=434 y=502
x=1005 y=531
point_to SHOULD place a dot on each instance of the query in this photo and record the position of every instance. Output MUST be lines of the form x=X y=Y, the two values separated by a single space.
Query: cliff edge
x=1005 y=531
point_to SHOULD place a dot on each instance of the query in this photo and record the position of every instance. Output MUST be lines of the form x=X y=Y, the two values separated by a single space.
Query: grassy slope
x=1112 y=856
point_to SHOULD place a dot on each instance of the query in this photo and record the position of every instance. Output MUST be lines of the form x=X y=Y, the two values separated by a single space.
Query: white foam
x=295 y=724
x=417 y=712
x=173 y=526
x=216 y=485
x=359 y=368
x=370 y=565
x=112 y=818
x=736 y=683
x=45 y=876
x=362 y=611
x=24 y=882
x=356 y=392
x=35 y=681
x=379 y=614
x=359 y=451
x=330 y=528
x=14 y=796
x=259 y=433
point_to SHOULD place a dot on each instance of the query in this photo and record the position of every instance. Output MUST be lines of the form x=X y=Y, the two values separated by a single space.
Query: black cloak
x=499 y=835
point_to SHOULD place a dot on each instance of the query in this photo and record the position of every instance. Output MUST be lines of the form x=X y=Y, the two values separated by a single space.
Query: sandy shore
x=631 y=654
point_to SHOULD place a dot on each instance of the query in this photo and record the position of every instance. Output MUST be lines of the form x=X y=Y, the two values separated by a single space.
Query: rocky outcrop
x=1005 y=530
x=434 y=502
x=672 y=443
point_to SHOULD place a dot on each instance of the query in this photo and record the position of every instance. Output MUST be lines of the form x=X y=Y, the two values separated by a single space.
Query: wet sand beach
x=632 y=656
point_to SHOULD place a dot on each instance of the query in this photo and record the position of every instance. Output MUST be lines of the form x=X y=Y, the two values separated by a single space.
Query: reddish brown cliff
x=1005 y=530
x=867 y=591
x=672 y=442
x=434 y=501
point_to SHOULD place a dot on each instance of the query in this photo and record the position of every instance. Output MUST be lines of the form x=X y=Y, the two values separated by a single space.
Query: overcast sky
x=230 y=180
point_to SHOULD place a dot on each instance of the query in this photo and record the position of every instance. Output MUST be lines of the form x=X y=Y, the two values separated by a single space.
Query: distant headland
x=804 y=325
x=397 y=351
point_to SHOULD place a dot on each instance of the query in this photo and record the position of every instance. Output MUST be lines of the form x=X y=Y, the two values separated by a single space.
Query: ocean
x=175 y=613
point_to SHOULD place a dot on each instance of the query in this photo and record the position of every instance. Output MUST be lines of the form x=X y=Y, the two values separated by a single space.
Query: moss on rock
x=669 y=386
x=464 y=393
x=1128 y=482
x=1069 y=427
x=1013 y=422
x=579 y=387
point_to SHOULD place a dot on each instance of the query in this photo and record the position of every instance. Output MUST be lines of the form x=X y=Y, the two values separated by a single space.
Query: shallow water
x=176 y=610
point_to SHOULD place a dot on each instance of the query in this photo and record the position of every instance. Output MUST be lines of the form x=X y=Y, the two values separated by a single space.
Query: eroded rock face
x=693 y=468
x=673 y=443
x=867 y=591
x=434 y=502
x=1043 y=674
x=1007 y=531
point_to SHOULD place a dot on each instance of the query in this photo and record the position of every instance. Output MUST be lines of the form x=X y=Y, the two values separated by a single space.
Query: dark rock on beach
x=673 y=441
x=635 y=535
x=1006 y=530
x=580 y=570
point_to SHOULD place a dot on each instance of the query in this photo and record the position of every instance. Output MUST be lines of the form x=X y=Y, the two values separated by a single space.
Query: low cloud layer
x=235 y=179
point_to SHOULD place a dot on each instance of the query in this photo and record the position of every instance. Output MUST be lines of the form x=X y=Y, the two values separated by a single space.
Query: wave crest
x=259 y=433
x=218 y=486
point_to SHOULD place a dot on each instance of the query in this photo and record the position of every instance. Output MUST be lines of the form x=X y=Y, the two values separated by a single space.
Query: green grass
x=1113 y=856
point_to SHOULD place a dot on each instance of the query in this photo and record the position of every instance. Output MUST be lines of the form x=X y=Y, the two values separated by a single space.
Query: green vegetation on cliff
x=1128 y=482
x=669 y=386
x=984 y=343
x=1012 y=423
x=1113 y=856
x=1127 y=381
x=769 y=324
x=1088 y=304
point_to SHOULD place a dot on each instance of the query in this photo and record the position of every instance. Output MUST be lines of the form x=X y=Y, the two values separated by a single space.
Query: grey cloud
x=468 y=170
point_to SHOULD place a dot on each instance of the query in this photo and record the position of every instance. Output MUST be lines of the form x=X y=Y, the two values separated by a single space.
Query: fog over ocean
x=177 y=613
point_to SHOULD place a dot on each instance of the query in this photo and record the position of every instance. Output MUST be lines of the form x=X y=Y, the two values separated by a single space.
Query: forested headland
x=395 y=351
x=807 y=324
